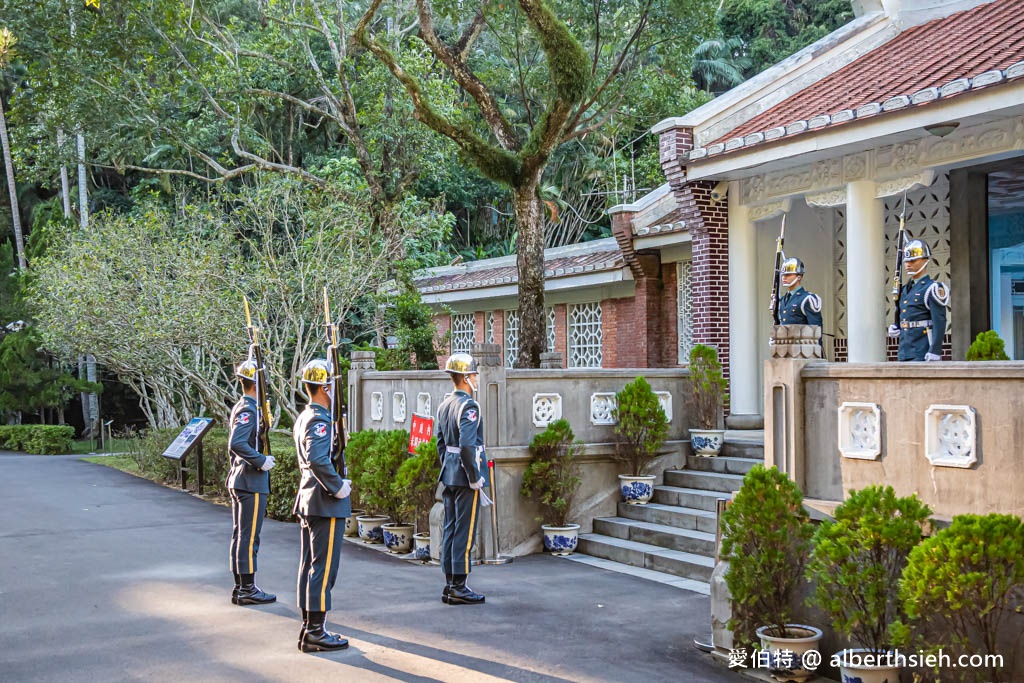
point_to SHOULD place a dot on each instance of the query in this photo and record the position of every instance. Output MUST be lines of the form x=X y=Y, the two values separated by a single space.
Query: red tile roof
x=986 y=38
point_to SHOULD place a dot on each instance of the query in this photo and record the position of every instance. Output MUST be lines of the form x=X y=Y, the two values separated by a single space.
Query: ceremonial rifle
x=338 y=391
x=897 y=274
x=263 y=418
x=777 y=278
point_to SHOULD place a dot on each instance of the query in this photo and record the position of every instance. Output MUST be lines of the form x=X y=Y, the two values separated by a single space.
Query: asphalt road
x=107 y=577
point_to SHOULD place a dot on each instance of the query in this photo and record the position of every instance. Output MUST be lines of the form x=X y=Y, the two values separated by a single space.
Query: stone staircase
x=672 y=538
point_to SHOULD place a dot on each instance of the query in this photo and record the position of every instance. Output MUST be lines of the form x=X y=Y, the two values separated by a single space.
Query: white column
x=744 y=373
x=865 y=273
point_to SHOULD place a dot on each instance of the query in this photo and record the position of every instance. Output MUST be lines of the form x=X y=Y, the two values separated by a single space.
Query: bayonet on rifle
x=263 y=416
x=338 y=391
x=897 y=273
x=780 y=256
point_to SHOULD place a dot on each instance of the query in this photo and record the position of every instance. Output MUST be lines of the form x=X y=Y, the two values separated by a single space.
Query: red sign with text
x=420 y=432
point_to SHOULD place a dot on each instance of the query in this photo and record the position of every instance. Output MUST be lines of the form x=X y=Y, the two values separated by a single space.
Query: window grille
x=585 y=335
x=551 y=329
x=489 y=329
x=462 y=332
x=511 y=337
x=684 y=319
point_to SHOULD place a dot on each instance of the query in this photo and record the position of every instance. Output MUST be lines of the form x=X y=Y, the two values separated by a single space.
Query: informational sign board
x=421 y=430
x=192 y=434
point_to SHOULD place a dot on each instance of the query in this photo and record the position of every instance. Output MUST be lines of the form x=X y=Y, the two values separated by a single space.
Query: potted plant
x=987 y=346
x=765 y=539
x=708 y=385
x=640 y=430
x=856 y=563
x=416 y=480
x=551 y=479
x=960 y=587
x=374 y=479
x=355 y=450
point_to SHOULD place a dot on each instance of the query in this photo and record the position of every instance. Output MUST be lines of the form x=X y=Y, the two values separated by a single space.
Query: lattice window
x=551 y=329
x=839 y=268
x=585 y=335
x=462 y=332
x=489 y=328
x=511 y=337
x=684 y=316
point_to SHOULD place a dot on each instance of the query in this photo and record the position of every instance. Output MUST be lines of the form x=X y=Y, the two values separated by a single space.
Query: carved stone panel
x=546 y=409
x=602 y=408
x=665 y=400
x=423 y=403
x=398 y=406
x=951 y=436
x=377 y=406
x=860 y=431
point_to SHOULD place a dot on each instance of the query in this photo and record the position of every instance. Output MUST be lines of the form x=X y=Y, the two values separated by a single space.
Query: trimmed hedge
x=37 y=439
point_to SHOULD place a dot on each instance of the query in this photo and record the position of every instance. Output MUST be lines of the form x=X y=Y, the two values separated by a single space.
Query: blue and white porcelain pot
x=351 y=525
x=707 y=441
x=370 y=527
x=636 y=490
x=561 y=540
x=398 y=537
x=786 y=661
x=421 y=546
x=867 y=666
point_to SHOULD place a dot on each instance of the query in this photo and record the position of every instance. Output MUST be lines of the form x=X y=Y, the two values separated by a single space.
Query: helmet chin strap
x=920 y=270
x=469 y=381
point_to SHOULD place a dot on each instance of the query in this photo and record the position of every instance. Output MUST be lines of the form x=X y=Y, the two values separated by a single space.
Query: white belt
x=453 y=449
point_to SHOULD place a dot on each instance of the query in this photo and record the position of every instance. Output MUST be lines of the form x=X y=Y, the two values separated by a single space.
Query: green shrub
x=552 y=476
x=37 y=439
x=765 y=539
x=284 y=484
x=416 y=482
x=356 y=453
x=858 y=559
x=987 y=346
x=959 y=587
x=378 y=465
x=708 y=384
x=641 y=426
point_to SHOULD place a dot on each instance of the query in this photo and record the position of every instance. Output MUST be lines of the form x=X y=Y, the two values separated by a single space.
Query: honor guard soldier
x=460 y=446
x=248 y=483
x=322 y=504
x=797 y=306
x=923 y=304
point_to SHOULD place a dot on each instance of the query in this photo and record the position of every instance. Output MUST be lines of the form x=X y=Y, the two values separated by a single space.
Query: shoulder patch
x=320 y=429
x=471 y=414
x=243 y=418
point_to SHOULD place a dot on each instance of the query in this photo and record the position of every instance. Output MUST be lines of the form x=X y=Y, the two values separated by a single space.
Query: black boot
x=319 y=639
x=250 y=594
x=447 y=587
x=461 y=594
x=302 y=631
x=234 y=591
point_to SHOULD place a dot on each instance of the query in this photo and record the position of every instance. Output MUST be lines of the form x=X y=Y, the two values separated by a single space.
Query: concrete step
x=681 y=496
x=743 y=449
x=638 y=554
x=706 y=481
x=721 y=464
x=693 y=585
x=661 y=535
x=671 y=515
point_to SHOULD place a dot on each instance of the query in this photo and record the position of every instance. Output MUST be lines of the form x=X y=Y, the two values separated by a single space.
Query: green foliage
x=374 y=467
x=414 y=320
x=37 y=439
x=987 y=346
x=709 y=385
x=640 y=428
x=858 y=559
x=416 y=482
x=552 y=476
x=765 y=538
x=960 y=586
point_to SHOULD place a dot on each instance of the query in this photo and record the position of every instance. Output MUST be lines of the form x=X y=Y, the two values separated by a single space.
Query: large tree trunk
x=19 y=242
x=529 y=217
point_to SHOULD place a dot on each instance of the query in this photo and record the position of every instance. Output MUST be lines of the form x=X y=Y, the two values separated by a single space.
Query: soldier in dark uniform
x=322 y=504
x=248 y=483
x=797 y=306
x=460 y=446
x=923 y=304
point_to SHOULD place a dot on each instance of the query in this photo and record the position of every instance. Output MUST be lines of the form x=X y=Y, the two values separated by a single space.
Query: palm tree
x=719 y=65
x=7 y=41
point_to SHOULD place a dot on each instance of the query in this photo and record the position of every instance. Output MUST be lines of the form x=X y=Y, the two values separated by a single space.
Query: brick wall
x=443 y=322
x=667 y=340
x=892 y=347
x=561 y=332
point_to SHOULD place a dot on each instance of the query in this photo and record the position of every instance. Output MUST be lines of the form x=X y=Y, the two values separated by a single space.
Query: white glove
x=268 y=464
x=894 y=331
x=932 y=356
x=479 y=484
x=345 y=490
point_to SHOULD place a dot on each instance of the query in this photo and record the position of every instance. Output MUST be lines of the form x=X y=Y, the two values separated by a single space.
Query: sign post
x=190 y=438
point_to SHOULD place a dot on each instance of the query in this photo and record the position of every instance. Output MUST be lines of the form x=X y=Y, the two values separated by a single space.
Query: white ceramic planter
x=636 y=490
x=561 y=540
x=351 y=525
x=707 y=442
x=421 y=545
x=370 y=527
x=865 y=666
x=786 y=653
x=398 y=537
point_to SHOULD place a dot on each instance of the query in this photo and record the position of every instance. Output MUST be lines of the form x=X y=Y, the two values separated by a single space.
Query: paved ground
x=106 y=577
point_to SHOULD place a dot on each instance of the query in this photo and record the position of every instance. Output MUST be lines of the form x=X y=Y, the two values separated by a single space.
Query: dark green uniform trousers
x=461 y=514
x=318 y=563
x=247 y=512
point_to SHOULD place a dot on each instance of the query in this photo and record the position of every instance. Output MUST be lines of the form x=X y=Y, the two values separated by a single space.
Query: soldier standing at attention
x=797 y=306
x=248 y=483
x=460 y=446
x=322 y=504
x=923 y=304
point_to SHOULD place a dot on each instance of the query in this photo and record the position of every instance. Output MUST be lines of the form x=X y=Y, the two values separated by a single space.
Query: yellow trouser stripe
x=327 y=567
x=252 y=534
x=472 y=526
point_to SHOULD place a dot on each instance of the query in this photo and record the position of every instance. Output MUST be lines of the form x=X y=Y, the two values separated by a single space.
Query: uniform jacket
x=319 y=481
x=800 y=307
x=460 y=441
x=244 y=473
x=923 y=305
